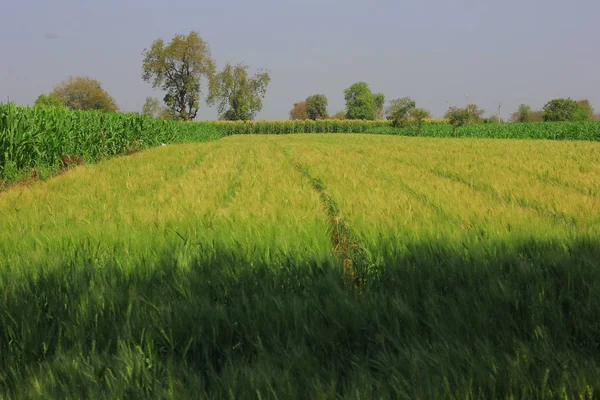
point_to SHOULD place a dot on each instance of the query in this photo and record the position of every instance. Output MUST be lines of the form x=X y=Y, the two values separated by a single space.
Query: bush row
x=588 y=130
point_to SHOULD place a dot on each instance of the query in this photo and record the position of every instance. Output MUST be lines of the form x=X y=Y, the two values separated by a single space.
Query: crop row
x=587 y=130
x=42 y=139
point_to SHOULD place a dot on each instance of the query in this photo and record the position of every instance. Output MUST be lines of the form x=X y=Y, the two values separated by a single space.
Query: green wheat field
x=307 y=266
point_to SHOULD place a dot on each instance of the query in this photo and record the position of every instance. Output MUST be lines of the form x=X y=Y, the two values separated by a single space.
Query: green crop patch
x=221 y=269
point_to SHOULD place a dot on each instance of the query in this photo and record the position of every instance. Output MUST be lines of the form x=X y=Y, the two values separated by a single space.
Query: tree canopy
x=154 y=109
x=399 y=111
x=237 y=95
x=564 y=110
x=48 y=100
x=316 y=107
x=379 y=100
x=475 y=113
x=177 y=68
x=523 y=114
x=81 y=93
x=361 y=103
x=298 y=112
x=340 y=115
x=586 y=108
x=457 y=117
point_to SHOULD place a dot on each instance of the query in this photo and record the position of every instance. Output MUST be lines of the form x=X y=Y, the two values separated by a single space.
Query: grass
x=309 y=266
x=37 y=143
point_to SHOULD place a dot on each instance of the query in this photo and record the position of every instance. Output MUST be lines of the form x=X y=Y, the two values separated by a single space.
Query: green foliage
x=379 y=100
x=493 y=119
x=540 y=130
x=300 y=126
x=339 y=115
x=361 y=103
x=49 y=100
x=299 y=111
x=177 y=68
x=588 y=130
x=38 y=137
x=84 y=93
x=475 y=113
x=316 y=107
x=238 y=96
x=457 y=117
x=418 y=115
x=537 y=116
x=399 y=110
x=586 y=108
x=154 y=109
x=142 y=278
x=564 y=110
x=523 y=114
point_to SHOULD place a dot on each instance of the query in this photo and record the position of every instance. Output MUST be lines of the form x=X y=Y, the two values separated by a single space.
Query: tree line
x=179 y=68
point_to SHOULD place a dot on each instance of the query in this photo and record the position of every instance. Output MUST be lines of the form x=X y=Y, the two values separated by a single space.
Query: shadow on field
x=522 y=322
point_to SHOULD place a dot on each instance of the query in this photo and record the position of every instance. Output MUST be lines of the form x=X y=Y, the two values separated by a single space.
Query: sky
x=438 y=52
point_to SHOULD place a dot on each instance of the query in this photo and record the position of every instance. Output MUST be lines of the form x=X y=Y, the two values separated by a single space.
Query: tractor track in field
x=235 y=182
x=358 y=263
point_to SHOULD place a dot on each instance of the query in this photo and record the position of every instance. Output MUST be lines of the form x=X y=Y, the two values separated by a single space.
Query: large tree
x=523 y=114
x=299 y=111
x=361 y=103
x=316 y=107
x=177 y=68
x=237 y=95
x=83 y=93
x=399 y=111
x=564 y=110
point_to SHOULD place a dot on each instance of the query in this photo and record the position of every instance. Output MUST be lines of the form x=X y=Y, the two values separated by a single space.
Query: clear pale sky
x=435 y=51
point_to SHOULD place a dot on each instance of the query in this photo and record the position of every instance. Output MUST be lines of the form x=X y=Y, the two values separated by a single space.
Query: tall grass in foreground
x=437 y=324
x=208 y=271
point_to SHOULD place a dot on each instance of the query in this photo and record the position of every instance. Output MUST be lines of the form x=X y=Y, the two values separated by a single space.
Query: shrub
x=399 y=110
x=523 y=114
x=564 y=110
x=84 y=93
x=475 y=113
x=419 y=115
x=457 y=117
